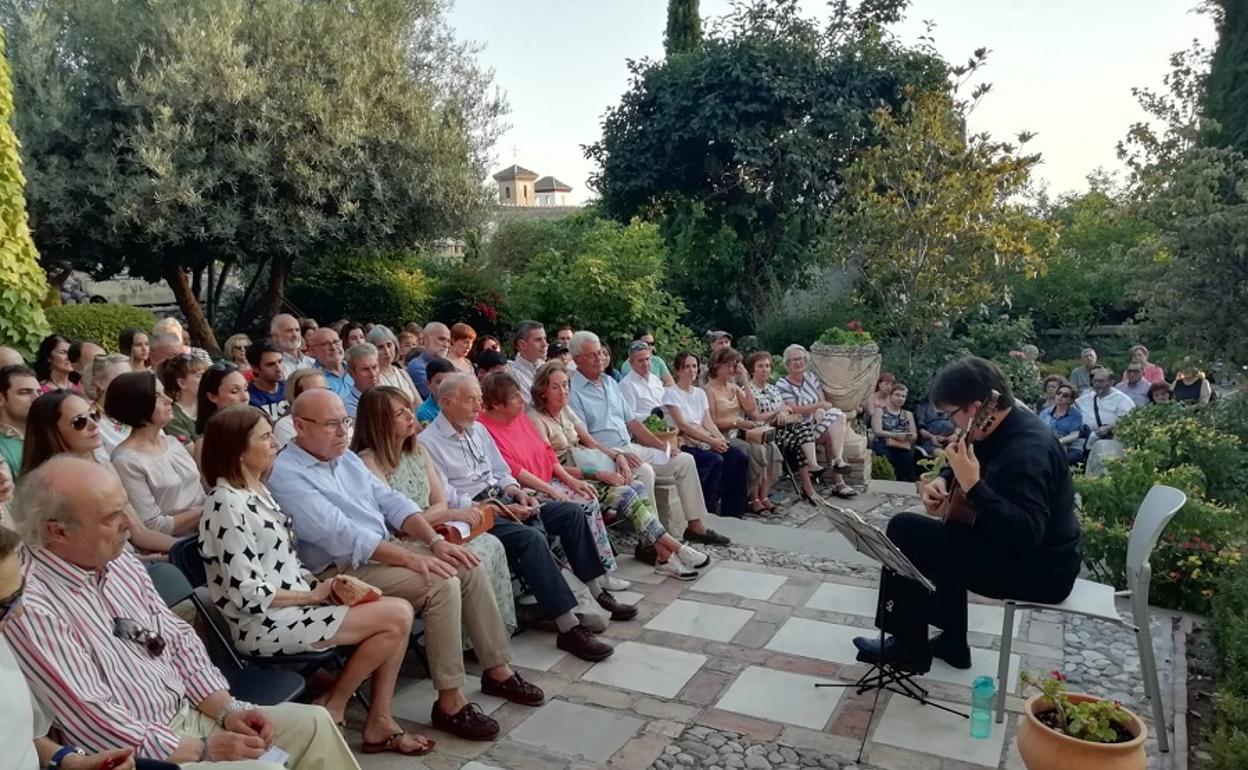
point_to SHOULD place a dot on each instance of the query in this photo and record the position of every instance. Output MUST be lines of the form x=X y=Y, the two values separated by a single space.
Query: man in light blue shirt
x=326 y=348
x=365 y=374
x=349 y=522
x=437 y=345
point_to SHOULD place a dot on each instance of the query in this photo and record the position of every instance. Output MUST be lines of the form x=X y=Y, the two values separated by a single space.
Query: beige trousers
x=307 y=733
x=762 y=457
x=681 y=473
x=447 y=605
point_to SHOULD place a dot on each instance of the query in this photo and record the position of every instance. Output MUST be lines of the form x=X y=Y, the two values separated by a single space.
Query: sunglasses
x=10 y=603
x=79 y=423
x=130 y=631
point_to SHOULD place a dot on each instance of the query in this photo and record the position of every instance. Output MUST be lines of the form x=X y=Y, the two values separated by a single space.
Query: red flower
x=1058 y=675
x=854 y=326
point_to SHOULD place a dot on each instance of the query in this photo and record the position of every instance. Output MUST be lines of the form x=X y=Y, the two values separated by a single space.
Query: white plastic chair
x=1096 y=600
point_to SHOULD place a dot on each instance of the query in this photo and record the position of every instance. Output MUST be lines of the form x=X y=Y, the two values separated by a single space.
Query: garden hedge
x=98 y=323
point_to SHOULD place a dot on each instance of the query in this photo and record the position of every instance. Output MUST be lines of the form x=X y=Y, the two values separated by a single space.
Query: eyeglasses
x=10 y=603
x=79 y=423
x=131 y=631
x=1065 y=394
x=333 y=426
x=224 y=366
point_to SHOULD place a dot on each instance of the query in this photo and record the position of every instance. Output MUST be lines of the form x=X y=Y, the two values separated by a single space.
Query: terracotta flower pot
x=1043 y=748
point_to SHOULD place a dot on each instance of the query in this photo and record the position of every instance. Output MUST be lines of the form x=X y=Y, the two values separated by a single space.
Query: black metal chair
x=262 y=687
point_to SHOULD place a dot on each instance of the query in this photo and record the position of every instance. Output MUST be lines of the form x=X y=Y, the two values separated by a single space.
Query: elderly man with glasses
x=326 y=347
x=1134 y=384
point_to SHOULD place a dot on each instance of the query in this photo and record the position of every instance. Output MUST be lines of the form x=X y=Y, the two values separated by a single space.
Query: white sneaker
x=612 y=583
x=674 y=568
x=691 y=558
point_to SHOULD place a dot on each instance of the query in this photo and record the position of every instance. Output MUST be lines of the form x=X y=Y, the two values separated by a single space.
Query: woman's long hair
x=43 y=435
x=374 y=426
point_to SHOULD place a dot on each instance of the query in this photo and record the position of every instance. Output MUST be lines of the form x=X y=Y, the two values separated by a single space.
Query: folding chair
x=1096 y=600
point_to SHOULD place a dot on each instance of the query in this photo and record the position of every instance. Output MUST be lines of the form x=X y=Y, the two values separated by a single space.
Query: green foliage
x=1154 y=146
x=471 y=294
x=100 y=324
x=1230 y=415
x=390 y=289
x=518 y=241
x=851 y=335
x=1230 y=737
x=1229 y=632
x=22 y=284
x=882 y=469
x=933 y=231
x=656 y=424
x=1226 y=101
x=1091 y=720
x=684 y=27
x=804 y=323
x=756 y=125
x=606 y=278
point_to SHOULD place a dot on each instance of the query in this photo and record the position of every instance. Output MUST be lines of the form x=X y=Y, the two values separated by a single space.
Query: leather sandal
x=394 y=745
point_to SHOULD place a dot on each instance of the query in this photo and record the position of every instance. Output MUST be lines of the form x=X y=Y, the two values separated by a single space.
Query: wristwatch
x=230 y=708
x=55 y=762
x=437 y=538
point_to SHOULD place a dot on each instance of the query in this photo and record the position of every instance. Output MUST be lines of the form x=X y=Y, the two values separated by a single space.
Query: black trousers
x=528 y=553
x=957 y=560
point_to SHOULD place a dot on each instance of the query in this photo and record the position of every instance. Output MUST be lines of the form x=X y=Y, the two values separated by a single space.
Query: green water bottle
x=983 y=693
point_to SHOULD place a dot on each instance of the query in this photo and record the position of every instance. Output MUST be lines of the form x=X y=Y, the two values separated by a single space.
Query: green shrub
x=100 y=324
x=388 y=288
x=882 y=469
x=471 y=295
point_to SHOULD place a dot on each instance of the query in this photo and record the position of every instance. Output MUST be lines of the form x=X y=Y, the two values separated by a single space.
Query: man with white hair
x=10 y=357
x=437 y=345
x=531 y=347
x=171 y=325
x=284 y=330
x=165 y=345
x=365 y=373
x=115 y=666
x=597 y=400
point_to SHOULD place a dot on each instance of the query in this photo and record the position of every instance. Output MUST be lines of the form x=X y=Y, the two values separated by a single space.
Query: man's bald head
x=75 y=508
x=322 y=427
x=326 y=347
x=10 y=357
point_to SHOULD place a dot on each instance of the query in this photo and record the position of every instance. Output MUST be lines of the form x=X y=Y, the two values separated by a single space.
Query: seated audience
x=352 y=334
x=180 y=377
x=1134 y=384
x=95 y=381
x=53 y=367
x=18 y=390
x=437 y=344
x=10 y=357
x=490 y=361
x=437 y=370
x=392 y=372
x=723 y=468
x=167 y=345
x=731 y=409
x=795 y=437
x=641 y=388
x=271 y=603
x=326 y=348
x=284 y=330
x=62 y=422
x=134 y=344
x=159 y=474
x=615 y=486
x=306 y=327
x=362 y=362
x=1191 y=386
x=597 y=401
x=605 y=351
x=804 y=394
x=221 y=386
x=235 y=351
x=301 y=380
x=466 y=456
x=463 y=337
x=1067 y=423
x=896 y=434
x=267 y=389
x=81 y=355
x=1102 y=406
x=557 y=352
x=1160 y=393
x=6 y=493
x=385 y=439
x=116 y=667
x=484 y=344
x=409 y=344
x=345 y=520
x=1138 y=354
x=531 y=348
x=935 y=427
x=563 y=335
x=658 y=367
x=533 y=463
x=1050 y=385
x=881 y=397
x=1081 y=376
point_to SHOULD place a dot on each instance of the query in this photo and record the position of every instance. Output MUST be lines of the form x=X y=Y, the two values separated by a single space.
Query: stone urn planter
x=848 y=372
x=1043 y=748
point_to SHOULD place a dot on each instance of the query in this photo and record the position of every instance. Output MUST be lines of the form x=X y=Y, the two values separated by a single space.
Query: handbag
x=591 y=460
x=897 y=443
x=762 y=434
x=349 y=591
x=454 y=532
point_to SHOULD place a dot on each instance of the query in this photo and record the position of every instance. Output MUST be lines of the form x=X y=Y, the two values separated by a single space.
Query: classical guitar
x=956 y=509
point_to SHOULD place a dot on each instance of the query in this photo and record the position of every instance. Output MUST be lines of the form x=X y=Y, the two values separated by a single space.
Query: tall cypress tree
x=684 y=27
x=1228 y=78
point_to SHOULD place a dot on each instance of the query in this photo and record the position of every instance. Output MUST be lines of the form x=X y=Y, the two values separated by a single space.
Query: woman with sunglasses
x=160 y=477
x=1066 y=421
x=62 y=422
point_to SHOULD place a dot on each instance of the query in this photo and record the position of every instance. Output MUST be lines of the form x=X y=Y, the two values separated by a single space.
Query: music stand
x=902 y=606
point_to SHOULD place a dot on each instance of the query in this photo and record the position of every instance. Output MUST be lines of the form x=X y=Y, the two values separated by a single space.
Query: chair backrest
x=170 y=582
x=185 y=556
x=1159 y=507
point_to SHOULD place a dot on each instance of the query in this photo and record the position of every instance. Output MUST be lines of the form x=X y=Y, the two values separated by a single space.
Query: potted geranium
x=1071 y=731
x=663 y=432
x=847 y=360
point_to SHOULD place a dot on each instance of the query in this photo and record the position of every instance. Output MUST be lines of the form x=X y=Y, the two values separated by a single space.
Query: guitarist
x=1025 y=540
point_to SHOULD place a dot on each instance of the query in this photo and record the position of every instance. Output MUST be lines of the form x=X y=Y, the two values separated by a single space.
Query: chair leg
x=1003 y=663
x=1148 y=668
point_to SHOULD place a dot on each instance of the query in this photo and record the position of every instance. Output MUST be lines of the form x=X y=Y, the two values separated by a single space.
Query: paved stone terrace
x=719 y=674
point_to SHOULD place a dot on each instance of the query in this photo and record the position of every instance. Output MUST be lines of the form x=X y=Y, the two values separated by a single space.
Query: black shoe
x=956 y=655
x=581 y=643
x=892 y=653
x=709 y=537
x=611 y=604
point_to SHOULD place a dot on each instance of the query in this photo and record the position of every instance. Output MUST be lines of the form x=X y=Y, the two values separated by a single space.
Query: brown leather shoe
x=470 y=723
x=618 y=611
x=582 y=644
x=514 y=689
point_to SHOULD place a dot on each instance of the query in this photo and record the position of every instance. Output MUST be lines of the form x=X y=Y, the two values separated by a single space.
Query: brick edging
x=1178 y=746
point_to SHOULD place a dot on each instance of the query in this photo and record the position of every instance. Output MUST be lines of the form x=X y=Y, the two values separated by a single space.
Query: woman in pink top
x=531 y=460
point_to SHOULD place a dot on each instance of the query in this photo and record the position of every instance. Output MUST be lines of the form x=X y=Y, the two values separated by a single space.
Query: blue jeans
x=725 y=479
x=528 y=553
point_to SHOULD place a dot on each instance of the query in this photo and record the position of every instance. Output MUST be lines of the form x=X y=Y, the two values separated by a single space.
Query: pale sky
x=1063 y=69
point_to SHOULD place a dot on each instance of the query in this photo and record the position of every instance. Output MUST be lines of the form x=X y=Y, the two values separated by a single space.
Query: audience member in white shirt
x=1103 y=405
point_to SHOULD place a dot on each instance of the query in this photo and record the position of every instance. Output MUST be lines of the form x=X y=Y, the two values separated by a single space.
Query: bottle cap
x=984 y=684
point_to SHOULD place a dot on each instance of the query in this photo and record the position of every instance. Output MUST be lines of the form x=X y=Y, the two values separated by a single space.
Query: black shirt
x=1025 y=499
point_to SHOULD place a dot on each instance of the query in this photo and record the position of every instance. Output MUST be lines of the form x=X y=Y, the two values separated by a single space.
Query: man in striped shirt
x=115 y=665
